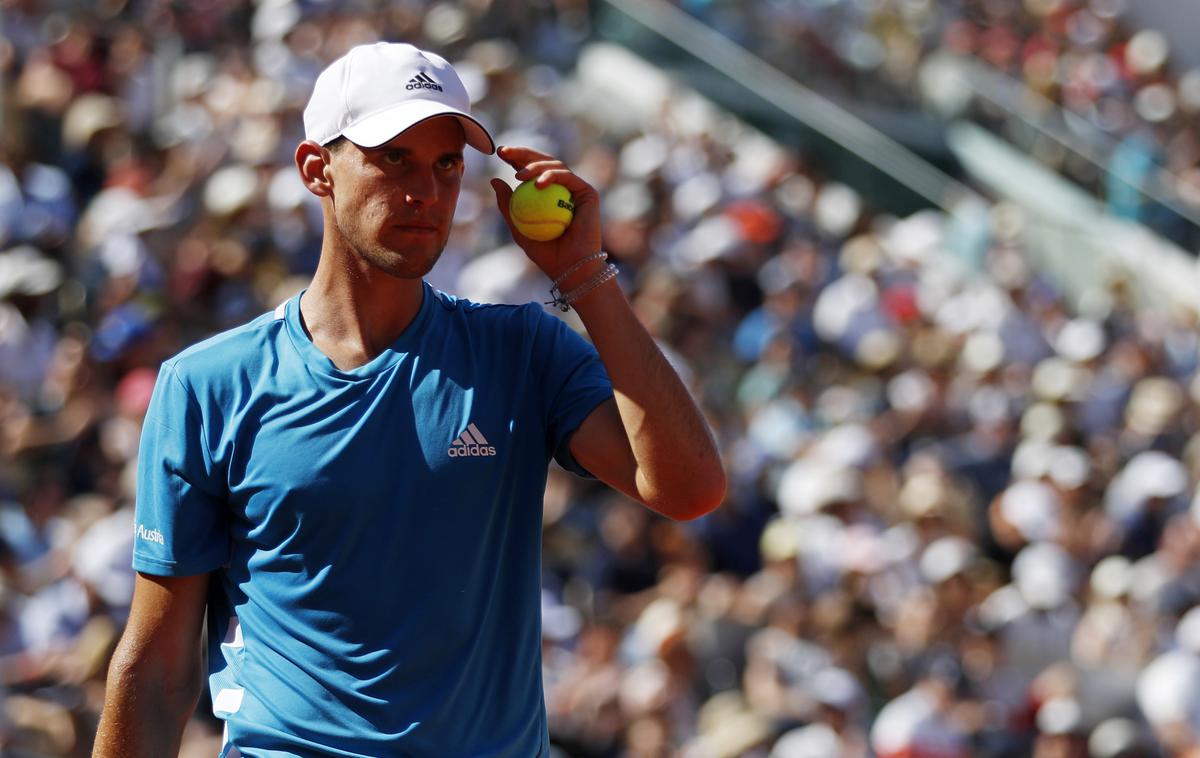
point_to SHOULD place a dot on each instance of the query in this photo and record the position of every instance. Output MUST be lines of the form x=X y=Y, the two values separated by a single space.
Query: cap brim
x=378 y=128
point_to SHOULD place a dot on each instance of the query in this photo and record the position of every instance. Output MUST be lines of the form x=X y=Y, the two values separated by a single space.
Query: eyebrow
x=385 y=148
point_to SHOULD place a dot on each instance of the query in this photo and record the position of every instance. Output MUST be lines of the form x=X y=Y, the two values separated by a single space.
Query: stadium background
x=926 y=264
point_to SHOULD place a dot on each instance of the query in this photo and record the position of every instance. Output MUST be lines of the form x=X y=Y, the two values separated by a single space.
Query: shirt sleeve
x=180 y=524
x=573 y=383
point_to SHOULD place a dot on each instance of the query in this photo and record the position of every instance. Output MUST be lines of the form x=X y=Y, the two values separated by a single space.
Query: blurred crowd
x=1113 y=109
x=960 y=520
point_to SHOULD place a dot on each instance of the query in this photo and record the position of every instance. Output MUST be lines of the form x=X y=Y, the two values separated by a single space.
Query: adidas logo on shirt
x=423 y=81
x=470 y=444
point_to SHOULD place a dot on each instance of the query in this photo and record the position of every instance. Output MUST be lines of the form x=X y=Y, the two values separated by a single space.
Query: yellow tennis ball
x=541 y=214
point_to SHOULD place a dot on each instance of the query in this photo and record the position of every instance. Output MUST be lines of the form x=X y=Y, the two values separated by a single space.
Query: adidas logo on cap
x=470 y=444
x=423 y=81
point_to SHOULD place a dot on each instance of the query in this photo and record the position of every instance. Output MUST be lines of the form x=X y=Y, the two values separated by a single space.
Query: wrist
x=564 y=296
x=578 y=271
x=580 y=277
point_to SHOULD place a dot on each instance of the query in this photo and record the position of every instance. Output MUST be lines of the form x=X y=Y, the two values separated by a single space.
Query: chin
x=402 y=265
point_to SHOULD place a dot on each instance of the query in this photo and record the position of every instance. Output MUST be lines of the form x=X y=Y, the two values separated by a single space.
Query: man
x=352 y=485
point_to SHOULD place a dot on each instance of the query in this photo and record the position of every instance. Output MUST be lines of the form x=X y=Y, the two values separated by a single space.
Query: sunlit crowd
x=1080 y=85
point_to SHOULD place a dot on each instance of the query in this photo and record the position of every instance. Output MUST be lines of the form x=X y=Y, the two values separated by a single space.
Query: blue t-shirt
x=375 y=533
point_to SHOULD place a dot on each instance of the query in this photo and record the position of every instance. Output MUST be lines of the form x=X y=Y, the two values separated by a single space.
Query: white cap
x=813 y=741
x=836 y=688
x=1112 y=577
x=946 y=557
x=1167 y=689
x=377 y=91
x=1187 y=632
x=1059 y=715
x=1045 y=574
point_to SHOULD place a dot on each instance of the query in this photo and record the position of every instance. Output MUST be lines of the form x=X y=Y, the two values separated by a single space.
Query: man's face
x=394 y=204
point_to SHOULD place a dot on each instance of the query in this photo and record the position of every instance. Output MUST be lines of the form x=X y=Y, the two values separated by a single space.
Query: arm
x=651 y=441
x=154 y=679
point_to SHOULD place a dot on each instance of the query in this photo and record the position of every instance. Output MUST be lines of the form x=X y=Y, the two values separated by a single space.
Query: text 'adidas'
x=423 y=81
x=471 y=443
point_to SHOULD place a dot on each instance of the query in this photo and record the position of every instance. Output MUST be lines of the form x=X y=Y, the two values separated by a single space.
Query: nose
x=421 y=188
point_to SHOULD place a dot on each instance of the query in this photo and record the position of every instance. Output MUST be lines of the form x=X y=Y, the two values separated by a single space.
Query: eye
x=447 y=163
x=394 y=157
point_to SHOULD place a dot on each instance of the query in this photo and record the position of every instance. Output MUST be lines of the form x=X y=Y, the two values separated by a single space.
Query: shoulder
x=526 y=317
x=228 y=353
x=515 y=335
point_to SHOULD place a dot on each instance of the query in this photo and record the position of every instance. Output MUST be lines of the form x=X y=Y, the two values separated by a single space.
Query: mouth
x=416 y=228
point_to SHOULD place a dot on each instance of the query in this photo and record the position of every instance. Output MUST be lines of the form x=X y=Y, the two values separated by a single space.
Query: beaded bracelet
x=600 y=256
x=565 y=300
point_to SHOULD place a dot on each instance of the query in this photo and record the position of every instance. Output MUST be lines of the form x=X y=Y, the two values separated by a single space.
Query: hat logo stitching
x=423 y=81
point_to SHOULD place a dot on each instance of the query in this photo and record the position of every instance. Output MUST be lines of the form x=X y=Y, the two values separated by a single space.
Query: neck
x=353 y=311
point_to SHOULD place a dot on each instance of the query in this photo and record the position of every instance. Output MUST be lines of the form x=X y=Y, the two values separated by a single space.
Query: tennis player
x=349 y=489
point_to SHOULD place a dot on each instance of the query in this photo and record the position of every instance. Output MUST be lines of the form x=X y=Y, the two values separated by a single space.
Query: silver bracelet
x=598 y=256
x=563 y=301
x=609 y=272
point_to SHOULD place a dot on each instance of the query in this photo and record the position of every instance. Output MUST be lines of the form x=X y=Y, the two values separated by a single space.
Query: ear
x=312 y=161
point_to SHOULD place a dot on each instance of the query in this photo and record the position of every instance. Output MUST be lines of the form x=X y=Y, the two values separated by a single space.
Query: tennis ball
x=541 y=214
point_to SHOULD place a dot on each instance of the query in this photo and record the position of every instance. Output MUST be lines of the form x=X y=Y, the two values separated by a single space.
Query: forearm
x=677 y=469
x=145 y=710
x=652 y=443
